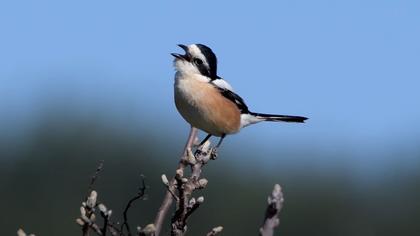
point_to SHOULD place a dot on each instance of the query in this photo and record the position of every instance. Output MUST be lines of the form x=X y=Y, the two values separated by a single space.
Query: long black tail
x=285 y=118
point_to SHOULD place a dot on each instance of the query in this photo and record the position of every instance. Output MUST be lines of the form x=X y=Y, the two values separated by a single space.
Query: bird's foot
x=199 y=152
x=213 y=153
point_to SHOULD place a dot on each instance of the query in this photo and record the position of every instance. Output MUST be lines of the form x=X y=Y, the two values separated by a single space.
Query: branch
x=185 y=186
x=271 y=219
x=95 y=176
x=90 y=207
x=181 y=188
x=140 y=194
x=87 y=217
x=168 y=199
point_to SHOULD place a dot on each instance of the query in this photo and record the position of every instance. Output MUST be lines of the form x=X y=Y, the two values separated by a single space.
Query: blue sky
x=351 y=66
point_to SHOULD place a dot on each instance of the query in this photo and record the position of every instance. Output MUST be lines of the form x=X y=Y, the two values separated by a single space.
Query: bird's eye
x=198 y=61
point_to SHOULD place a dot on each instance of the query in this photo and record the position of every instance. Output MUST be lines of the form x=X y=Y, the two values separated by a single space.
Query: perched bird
x=208 y=102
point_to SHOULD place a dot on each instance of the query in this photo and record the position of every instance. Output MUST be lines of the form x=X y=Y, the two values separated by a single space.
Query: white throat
x=185 y=67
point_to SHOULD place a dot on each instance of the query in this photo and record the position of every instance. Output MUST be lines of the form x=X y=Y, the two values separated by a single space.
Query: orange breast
x=222 y=112
x=202 y=105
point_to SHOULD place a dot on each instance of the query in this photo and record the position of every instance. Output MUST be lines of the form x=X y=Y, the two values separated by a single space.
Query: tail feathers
x=285 y=118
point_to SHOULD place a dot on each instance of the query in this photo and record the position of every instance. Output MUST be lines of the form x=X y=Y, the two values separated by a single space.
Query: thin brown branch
x=140 y=194
x=168 y=199
x=181 y=200
x=95 y=176
x=187 y=204
x=96 y=229
x=191 y=209
x=169 y=187
x=89 y=211
x=271 y=219
x=86 y=222
x=113 y=229
x=90 y=206
x=106 y=221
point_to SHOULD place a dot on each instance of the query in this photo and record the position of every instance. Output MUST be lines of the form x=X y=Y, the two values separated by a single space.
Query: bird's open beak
x=180 y=56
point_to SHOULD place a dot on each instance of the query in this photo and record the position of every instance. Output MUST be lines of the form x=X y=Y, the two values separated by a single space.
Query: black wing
x=235 y=98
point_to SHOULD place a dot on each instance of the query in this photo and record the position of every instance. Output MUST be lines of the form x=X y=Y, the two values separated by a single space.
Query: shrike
x=208 y=102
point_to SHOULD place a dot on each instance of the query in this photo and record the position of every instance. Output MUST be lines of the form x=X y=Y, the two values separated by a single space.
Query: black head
x=200 y=57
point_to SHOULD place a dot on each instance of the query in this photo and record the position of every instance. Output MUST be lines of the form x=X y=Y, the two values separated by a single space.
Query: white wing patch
x=221 y=83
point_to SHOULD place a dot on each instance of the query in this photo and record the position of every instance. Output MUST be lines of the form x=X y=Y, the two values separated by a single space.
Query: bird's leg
x=204 y=140
x=198 y=150
x=214 y=150
x=220 y=140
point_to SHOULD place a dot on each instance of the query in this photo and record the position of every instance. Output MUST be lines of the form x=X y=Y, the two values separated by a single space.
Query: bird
x=207 y=102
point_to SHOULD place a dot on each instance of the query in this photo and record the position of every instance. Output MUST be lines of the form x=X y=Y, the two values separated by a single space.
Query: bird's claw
x=213 y=153
x=198 y=153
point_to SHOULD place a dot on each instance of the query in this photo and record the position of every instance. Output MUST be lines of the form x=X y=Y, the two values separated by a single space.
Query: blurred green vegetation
x=45 y=175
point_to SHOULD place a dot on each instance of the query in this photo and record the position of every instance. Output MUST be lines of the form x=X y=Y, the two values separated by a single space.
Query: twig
x=271 y=219
x=95 y=176
x=192 y=207
x=140 y=194
x=169 y=187
x=113 y=229
x=168 y=199
x=106 y=222
x=215 y=231
x=87 y=217
x=90 y=207
x=95 y=228
x=186 y=204
x=89 y=211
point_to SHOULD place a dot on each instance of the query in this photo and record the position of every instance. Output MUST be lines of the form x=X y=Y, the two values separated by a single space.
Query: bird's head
x=198 y=59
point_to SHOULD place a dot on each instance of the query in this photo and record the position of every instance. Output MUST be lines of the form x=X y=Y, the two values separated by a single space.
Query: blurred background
x=82 y=81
